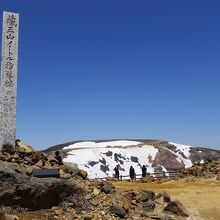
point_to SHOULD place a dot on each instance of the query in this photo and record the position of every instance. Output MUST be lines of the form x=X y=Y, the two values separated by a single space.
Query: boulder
x=71 y=168
x=126 y=206
x=94 y=202
x=87 y=217
x=83 y=173
x=107 y=187
x=58 y=211
x=7 y=148
x=117 y=210
x=164 y=195
x=18 y=189
x=39 y=164
x=148 y=179
x=96 y=191
x=148 y=194
x=64 y=175
x=149 y=205
x=29 y=171
x=12 y=167
x=23 y=148
x=176 y=208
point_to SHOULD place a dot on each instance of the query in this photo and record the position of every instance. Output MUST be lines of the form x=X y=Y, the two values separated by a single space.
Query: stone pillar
x=8 y=82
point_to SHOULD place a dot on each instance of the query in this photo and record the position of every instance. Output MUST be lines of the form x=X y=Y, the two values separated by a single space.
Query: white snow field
x=91 y=144
x=100 y=158
x=128 y=150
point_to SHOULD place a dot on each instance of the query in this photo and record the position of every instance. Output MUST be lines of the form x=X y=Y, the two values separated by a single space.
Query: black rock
x=107 y=187
x=117 y=210
x=165 y=196
x=149 y=206
x=176 y=208
x=148 y=194
x=20 y=190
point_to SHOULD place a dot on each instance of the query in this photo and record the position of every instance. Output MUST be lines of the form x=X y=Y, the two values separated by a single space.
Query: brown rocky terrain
x=199 y=196
x=209 y=169
x=197 y=187
x=72 y=195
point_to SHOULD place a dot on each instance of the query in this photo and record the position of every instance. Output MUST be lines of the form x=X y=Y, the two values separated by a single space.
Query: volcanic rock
x=164 y=195
x=149 y=206
x=208 y=169
x=23 y=148
x=176 y=208
x=7 y=148
x=117 y=210
x=82 y=173
x=107 y=187
x=148 y=179
x=17 y=189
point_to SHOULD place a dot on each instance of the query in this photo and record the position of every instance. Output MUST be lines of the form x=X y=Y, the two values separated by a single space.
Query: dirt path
x=200 y=197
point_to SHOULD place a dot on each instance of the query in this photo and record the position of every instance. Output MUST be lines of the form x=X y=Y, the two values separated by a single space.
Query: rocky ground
x=197 y=187
x=199 y=196
x=72 y=195
x=209 y=169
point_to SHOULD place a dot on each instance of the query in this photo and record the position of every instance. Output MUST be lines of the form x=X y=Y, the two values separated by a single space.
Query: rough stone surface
x=23 y=148
x=176 y=208
x=73 y=198
x=148 y=179
x=149 y=206
x=83 y=173
x=8 y=82
x=164 y=195
x=71 y=168
x=117 y=210
x=209 y=169
x=18 y=189
x=107 y=187
x=11 y=217
x=148 y=194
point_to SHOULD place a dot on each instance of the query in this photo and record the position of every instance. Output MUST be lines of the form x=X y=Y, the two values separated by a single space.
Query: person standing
x=144 y=171
x=132 y=173
x=58 y=158
x=116 y=169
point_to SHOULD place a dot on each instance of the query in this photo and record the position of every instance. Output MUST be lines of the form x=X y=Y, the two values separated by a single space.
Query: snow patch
x=134 y=156
x=91 y=144
x=185 y=150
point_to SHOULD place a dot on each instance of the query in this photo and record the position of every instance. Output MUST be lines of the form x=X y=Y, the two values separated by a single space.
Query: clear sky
x=118 y=69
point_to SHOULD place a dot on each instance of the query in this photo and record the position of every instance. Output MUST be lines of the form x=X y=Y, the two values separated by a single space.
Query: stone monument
x=8 y=82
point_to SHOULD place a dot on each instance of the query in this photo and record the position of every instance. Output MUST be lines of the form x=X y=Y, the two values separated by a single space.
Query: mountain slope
x=99 y=158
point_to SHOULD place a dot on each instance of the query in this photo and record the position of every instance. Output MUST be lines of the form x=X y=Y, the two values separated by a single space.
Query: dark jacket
x=132 y=173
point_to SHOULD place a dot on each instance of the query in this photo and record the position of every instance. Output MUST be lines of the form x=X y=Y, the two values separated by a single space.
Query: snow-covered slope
x=183 y=154
x=100 y=158
x=92 y=144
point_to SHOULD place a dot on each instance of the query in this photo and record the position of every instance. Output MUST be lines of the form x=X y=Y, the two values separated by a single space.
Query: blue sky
x=118 y=69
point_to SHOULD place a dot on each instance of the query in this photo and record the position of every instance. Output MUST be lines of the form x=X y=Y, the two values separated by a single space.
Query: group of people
x=132 y=173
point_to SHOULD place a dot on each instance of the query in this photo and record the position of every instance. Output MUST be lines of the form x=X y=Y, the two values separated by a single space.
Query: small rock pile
x=35 y=160
x=209 y=169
